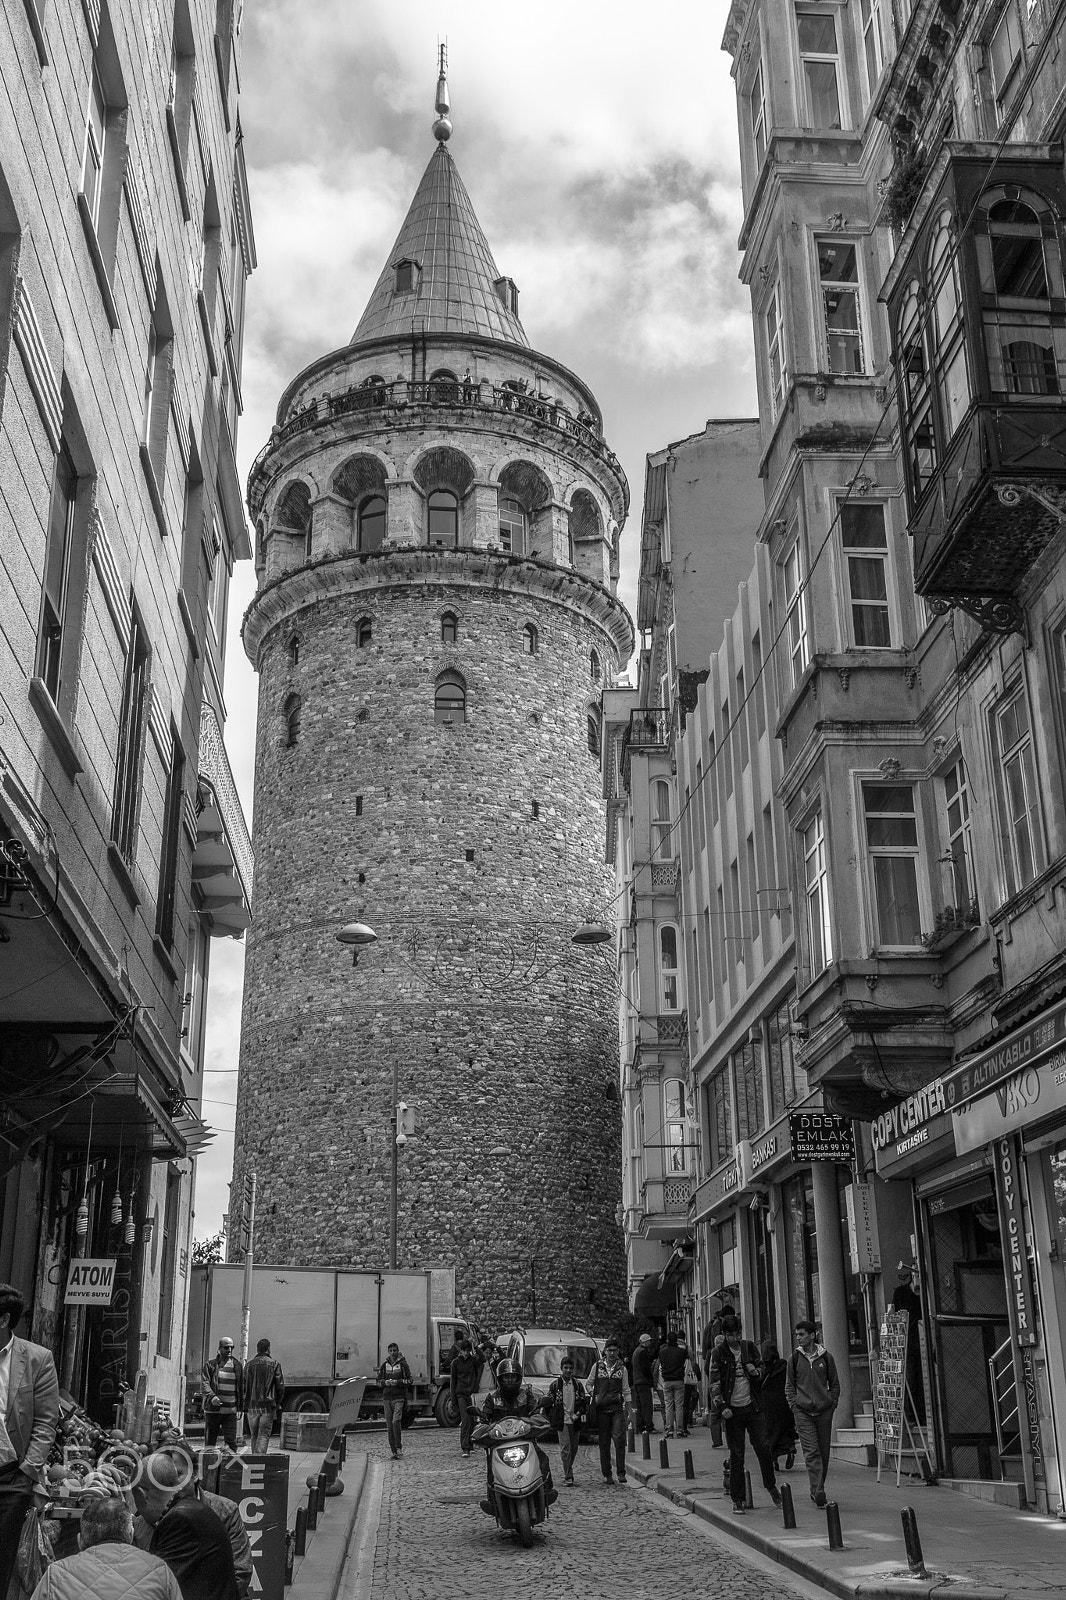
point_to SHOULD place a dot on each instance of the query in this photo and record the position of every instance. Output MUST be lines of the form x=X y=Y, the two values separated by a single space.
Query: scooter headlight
x=514 y=1454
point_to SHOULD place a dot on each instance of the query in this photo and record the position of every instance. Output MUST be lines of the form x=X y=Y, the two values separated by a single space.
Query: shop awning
x=652 y=1299
x=222 y=853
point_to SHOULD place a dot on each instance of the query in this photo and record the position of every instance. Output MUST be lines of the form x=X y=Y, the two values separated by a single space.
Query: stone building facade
x=437 y=524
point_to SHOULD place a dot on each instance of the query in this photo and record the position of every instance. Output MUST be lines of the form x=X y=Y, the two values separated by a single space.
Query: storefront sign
x=259 y=1485
x=1020 y=1299
x=1036 y=1091
x=821 y=1136
x=90 y=1282
x=763 y=1152
x=1022 y=1048
x=713 y=1191
x=910 y=1117
x=862 y=1228
x=1032 y=1415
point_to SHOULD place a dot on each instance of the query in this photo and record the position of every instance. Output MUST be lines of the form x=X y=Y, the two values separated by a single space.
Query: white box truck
x=326 y=1324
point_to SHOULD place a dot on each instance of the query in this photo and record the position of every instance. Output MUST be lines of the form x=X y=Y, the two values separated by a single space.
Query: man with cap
x=812 y=1389
x=222 y=1381
x=643 y=1357
x=264 y=1394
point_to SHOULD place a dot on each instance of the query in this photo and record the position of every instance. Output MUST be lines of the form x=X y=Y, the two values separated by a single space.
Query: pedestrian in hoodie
x=812 y=1389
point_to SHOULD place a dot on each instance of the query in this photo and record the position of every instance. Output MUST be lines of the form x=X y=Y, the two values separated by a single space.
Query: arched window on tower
x=291 y=713
x=449 y=628
x=449 y=701
x=443 y=520
x=294 y=651
x=371 y=532
x=594 y=734
x=512 y=526
x=443 y=387
x=364 y=632
x=530 y=639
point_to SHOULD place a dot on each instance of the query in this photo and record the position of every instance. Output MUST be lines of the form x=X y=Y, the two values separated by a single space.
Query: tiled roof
x=454 y=290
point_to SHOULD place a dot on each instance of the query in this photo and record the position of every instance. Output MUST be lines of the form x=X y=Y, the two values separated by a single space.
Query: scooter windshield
x=510 y=1428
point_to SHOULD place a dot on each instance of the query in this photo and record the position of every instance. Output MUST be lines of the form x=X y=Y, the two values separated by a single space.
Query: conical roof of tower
x=455 y=290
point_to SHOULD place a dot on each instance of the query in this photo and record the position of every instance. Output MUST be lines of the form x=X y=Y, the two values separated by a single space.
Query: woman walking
x=394 y=1375
x=777 y=1415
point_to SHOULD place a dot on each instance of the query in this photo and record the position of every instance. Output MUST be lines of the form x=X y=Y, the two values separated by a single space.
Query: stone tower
x=437 y=521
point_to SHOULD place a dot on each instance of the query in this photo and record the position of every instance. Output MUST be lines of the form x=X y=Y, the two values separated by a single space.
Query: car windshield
x=543 y=1360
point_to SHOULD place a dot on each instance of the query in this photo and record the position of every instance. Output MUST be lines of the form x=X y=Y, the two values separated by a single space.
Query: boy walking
x=812 y=1389
x=566 y=1403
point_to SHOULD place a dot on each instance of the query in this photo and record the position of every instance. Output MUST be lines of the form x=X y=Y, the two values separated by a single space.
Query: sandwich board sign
x=90 y=1282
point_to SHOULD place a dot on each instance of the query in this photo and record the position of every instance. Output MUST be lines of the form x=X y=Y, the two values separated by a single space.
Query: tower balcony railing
x=649 y=729
x=374 y=405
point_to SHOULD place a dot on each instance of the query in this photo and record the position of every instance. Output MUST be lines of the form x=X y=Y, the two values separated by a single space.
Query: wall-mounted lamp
x=358 y=935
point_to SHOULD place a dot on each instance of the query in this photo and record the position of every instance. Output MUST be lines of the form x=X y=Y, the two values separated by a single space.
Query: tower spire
x=442 y=128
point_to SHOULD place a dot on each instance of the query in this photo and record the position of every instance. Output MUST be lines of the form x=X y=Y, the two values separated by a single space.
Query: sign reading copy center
x=902 y=1136
x=1019 y=1276
x=821 y=1136
x=90 y=1282
x=259 y=1486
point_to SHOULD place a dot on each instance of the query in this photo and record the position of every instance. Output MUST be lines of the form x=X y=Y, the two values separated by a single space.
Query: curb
x=319 y=1571
x=865 y=1589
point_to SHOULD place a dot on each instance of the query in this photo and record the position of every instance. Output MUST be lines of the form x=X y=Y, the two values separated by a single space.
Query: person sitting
x=108 y=1565
x=188 y=1536
x=513 y=1398
x=182 y=1453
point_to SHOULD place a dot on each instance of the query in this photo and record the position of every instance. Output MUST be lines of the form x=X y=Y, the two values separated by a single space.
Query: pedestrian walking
x=394 y=1375
x=672 y=1375
x=643 y=1363
x=812 y=1388
x=264 y=1394
x=222 y=1380
x=736 y=1378
x=464 y=1377
x=108 y=1565
x=609 y=1409
x=29 y=1412
x=187 y=1534
x=692 y=1389
x=565 y=1406
x=776 y=1412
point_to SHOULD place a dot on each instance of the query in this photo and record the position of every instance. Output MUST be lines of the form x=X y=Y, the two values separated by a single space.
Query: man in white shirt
x=29 y=1412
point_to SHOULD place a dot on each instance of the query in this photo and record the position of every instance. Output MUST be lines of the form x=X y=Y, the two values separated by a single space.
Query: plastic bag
x=35 y=1554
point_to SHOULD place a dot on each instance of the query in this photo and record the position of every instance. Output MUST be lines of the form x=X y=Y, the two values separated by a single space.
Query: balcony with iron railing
x=649 y=730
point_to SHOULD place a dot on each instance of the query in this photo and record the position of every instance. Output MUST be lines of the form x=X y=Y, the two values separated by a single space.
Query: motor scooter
x=518 y=1496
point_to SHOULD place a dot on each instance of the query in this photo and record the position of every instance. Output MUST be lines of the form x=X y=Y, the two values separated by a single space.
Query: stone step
x=858 y=1454
x=1000 y=1494
x=853 y=1436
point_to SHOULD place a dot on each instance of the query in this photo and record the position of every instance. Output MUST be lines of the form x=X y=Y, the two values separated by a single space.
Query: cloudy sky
x=598 y=141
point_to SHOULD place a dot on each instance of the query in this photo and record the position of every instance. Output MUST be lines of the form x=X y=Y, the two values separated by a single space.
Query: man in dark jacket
x=736 y=1377
x=564 y=1406
x=264 y=1394
x=222 y=1380
x=672 y=1376
x=643 y=1358
x=188 y=1536
x=513 y=1398
x=464 y=1376
x=227 y=1512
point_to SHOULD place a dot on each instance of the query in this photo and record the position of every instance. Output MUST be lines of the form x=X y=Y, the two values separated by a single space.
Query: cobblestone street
x=425 y=1538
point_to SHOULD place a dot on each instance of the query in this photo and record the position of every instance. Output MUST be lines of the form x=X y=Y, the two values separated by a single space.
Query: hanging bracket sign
x=821 y=1136
x=90 y=1282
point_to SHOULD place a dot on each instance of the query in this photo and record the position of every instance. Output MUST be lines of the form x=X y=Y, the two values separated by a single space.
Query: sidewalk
x=973 y=1549
x=317 y=1575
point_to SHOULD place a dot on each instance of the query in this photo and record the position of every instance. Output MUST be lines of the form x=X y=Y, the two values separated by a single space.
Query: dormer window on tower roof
x=507 y=290
x=408 y=274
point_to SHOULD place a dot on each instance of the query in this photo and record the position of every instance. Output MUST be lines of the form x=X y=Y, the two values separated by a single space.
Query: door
x=968 y=1295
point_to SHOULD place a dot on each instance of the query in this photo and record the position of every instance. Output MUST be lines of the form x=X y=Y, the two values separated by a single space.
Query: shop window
x=443 y=520
x=864 y=543
x=371 y=530
x=669 y=969
x=893 y=856
x=728 y=1256
x=816 y=896
x=1017 y=803
x=676 y=1128
x=662 y=827
x=838 y=281
x=801 y=1246
x=854 y=1305
x=449 y=701
x=819 y=67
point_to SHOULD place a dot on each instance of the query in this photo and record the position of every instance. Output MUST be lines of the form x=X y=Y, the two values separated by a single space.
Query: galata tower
x=437 y=521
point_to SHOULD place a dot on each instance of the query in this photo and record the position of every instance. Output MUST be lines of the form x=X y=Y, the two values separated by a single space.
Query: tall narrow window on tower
x=530 y=639
x=449 y=628
x=364 y=632
x=594 y=734
x=512 y=527
x=449 y=701
x=371 y=532
x=443 y=520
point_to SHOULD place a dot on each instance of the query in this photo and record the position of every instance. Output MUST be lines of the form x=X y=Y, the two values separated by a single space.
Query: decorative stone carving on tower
x=437 y=518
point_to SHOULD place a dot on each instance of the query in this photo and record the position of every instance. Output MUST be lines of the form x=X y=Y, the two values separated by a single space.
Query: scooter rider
x=513 y=1398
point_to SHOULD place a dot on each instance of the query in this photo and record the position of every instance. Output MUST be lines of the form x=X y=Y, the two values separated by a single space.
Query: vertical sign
x=1020 y=1298
x=259 y=1486
x=862 y=1228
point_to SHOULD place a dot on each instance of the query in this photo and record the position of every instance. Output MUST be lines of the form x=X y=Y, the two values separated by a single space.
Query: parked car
x=539 y=1352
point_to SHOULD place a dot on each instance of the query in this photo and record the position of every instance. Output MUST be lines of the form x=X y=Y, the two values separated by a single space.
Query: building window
x=820 y=67
x=92 y=172
x=512 y=527
x=959 y=856
x=916 y=402
x=720 y=1119
x=218 y=586
x=676 y=1158
x=757 y=114
x=130 y=741
x=728 y=1256
x=595 y=669
x=892 y=849
x=747 y=1075
x=55 y=609
x=661 y=823
x=168 y=857
x=788 y=1082
x=364 y=632
x=816 y=895
x=799 y=649
x=801 y=1245
x=1017 y=790
x=593 y=726
x=669 y=970
x=291 y=714
x=182 y=80
x=449 y=701
x=294 y=651
x=865 y=545
x=443 y=526
x=1020 y=265
x=949 y=346
x=371 y=529
x=775 y=348
x=838 y=278
x=155 y=422
x=168 y=1264
x=530 y=639
x=872 y=20
x=449 y=628
x=406 y=277
x=1005 y=54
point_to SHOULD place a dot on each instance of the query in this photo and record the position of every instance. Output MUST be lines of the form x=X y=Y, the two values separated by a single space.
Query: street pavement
x=423 y=1537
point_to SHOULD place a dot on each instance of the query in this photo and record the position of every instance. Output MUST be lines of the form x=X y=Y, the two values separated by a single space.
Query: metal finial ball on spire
x=442 y=128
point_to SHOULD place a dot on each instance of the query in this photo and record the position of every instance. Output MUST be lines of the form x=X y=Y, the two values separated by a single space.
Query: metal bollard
x=631 y=1439
x=645 y=1447
x=343 y=1438
x=749 y=1503
x=832 y=1522
x=690 y=1471
x=788 y=1510
x=299 y=1538
x=322 y=1486
x=312 y=1510
x=912 y=1539
x=290 y=1554
x=664 y=1453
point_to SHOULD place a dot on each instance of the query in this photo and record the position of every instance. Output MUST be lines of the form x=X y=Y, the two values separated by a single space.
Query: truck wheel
x=525 y=1523
x=445 y=1410
x=306 y=1400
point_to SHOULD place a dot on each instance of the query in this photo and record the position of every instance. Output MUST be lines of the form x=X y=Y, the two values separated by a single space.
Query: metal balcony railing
x=649 y=729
